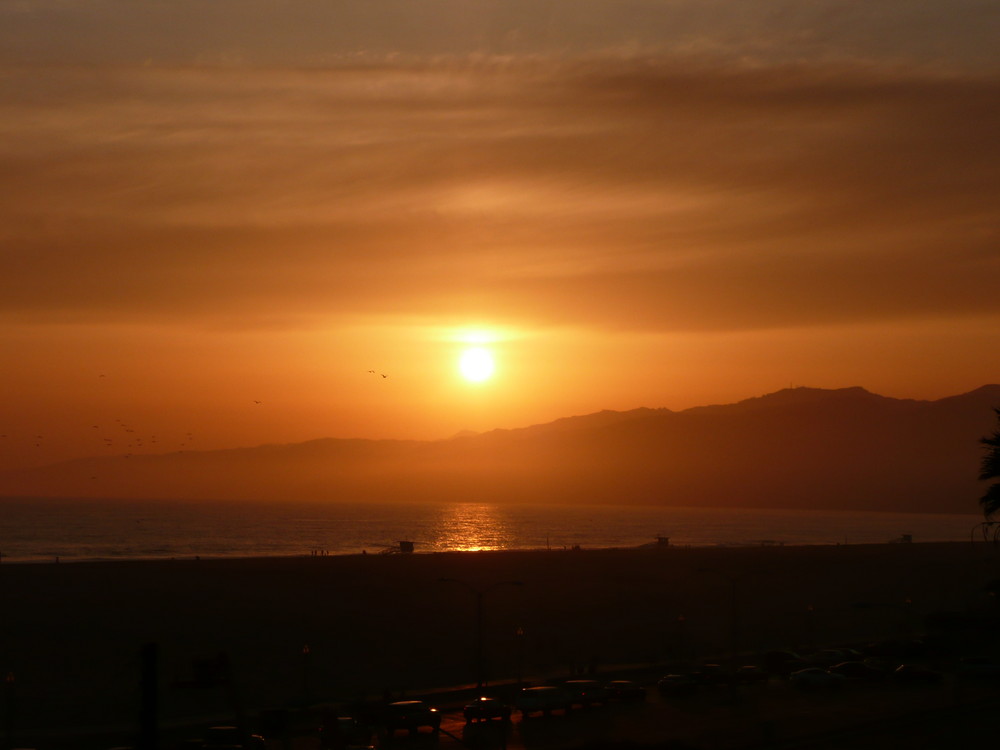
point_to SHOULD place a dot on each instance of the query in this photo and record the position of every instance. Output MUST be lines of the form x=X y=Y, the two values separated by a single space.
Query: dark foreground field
x=293 y=631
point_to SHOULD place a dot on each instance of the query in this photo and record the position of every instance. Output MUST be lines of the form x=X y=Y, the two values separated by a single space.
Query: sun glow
x=476 y=364
x=471 y=527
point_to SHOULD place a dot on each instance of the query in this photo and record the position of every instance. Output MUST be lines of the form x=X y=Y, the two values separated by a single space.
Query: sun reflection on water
x=472 y=527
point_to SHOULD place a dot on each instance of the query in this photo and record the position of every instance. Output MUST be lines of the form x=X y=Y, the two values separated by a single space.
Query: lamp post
x=306 y=675
x=810 y=625
x=479 y=594
x=734 y=620
x=149 y=700
x=8 y=729
x=519 y=635
x=680 y=650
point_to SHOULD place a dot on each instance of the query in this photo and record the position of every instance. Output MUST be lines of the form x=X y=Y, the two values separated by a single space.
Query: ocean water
x=41 y=530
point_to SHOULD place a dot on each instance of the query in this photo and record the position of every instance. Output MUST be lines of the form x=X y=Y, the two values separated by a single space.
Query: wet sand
x=70 y=634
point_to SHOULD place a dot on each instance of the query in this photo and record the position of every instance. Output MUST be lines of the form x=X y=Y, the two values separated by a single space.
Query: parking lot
x=771 y=714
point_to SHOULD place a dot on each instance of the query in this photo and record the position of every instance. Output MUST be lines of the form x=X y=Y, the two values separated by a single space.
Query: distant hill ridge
x=795 y=448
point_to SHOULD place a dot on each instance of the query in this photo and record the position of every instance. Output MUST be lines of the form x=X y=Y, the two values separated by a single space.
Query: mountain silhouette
x=796 y=448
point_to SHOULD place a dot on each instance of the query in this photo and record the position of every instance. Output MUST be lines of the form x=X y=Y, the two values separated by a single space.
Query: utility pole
x=479 y=594
x=148 y=710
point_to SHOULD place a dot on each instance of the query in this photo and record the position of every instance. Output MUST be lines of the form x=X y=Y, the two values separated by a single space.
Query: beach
x=259 y=633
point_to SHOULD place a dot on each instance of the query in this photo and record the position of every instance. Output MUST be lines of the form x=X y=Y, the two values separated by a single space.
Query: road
x=771 y=715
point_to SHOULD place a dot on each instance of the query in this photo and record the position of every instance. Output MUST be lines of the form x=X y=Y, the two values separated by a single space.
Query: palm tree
x=990 y=469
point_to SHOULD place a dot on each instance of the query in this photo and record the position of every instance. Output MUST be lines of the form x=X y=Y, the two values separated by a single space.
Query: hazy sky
x=670 y=203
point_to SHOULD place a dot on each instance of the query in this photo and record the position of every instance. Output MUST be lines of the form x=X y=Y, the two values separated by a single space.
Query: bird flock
x=118 y=436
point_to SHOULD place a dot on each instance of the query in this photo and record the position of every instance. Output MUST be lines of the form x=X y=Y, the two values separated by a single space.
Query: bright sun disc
x=476 y=364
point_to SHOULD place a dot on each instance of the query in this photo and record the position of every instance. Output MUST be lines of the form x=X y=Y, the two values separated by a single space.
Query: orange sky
x=635 y=204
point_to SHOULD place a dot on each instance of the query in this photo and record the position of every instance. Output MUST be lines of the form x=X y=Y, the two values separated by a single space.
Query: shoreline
x=36 y=533
x=312 y=554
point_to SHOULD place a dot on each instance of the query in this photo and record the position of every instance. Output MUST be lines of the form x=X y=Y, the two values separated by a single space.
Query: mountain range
x=803 y=448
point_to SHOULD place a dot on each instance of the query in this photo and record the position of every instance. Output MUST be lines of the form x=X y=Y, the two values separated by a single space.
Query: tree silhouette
x=990 y=469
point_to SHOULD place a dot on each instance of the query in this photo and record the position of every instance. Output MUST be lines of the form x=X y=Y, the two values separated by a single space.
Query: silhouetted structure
x=401 y=547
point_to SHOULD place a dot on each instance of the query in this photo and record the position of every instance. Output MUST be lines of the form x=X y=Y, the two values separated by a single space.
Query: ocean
x=71 y=530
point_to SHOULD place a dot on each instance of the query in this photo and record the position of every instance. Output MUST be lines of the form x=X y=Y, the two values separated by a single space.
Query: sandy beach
x=325 y=629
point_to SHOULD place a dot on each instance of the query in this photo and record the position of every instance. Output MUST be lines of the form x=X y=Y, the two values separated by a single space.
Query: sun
x=476 y=364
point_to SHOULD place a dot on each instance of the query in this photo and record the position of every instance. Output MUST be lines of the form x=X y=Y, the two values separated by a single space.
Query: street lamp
x=479 y=594
x=734 y=618
x=681 y=649
x=306 y=664
x=519 y=636
x=9 y=687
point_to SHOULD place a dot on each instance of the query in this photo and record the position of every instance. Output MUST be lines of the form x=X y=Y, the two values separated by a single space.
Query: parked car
x=812 y=678
x=543 y=699
x=858 y=671
x=978 y=666
x=713 y=674
x=625 y=691
x=914 y=673
x=486 y=709
x=782 y=663
x=343 y=732
x=897 y=649
x=828 y=656
x=880 y=662
x=678 y=685
x=226 y=738
x=411 y=716
x=586 y=693
x=749 y=674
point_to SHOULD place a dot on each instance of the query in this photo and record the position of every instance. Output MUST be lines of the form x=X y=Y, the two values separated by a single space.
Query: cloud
x=319 y=32
x=649 y=194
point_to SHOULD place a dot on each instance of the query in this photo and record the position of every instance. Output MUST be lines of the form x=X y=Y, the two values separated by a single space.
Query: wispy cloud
x=651 y=194
x=318 y=32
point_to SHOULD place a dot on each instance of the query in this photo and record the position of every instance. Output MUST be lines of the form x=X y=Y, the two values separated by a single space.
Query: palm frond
x=990 y=466
x=990 y=502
